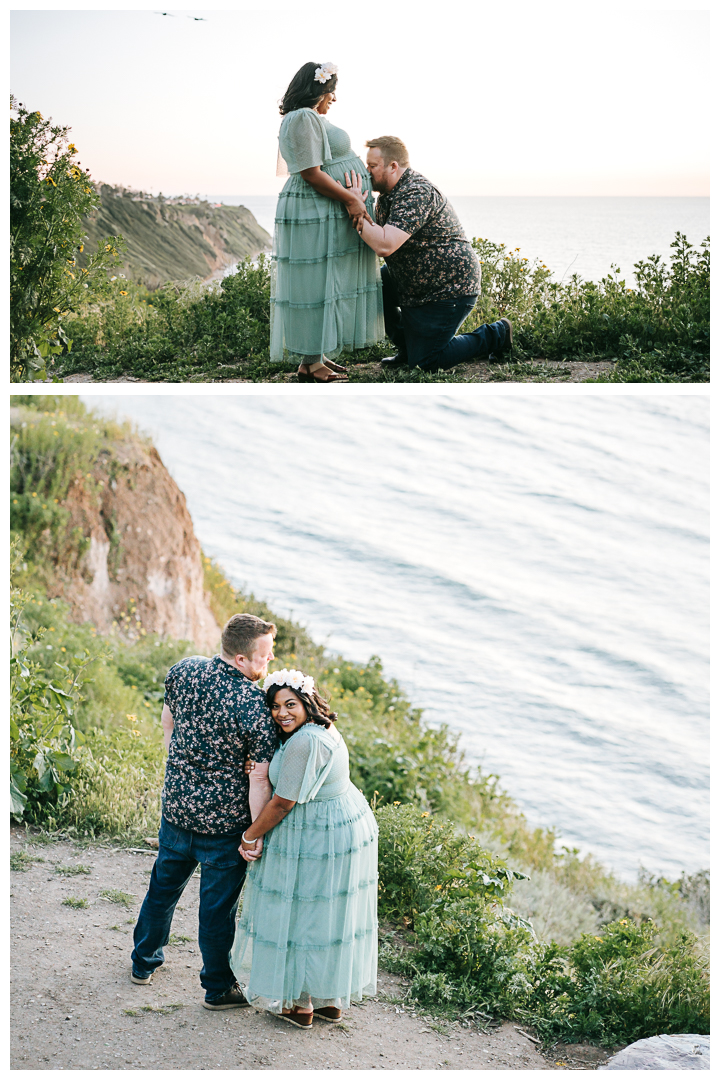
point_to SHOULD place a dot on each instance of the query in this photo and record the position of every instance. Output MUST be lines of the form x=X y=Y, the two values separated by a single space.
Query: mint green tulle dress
x=326 y=291
x=308 y=928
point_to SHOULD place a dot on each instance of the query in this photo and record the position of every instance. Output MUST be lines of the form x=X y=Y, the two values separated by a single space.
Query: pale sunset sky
x=509 y=99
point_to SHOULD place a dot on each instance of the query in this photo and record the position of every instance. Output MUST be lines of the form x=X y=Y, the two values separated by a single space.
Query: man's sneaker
x=231 y=999
x=142 y=980
x=508 y=338
x=396 y=361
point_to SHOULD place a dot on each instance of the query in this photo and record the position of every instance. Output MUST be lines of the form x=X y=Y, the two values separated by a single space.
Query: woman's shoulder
x=305 y=114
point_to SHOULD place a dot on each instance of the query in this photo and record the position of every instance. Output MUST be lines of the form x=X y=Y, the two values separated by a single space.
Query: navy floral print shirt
x=438 y=261
x=220 y=718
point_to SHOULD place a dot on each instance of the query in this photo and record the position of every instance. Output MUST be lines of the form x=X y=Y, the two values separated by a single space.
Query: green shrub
x=424 y=862
x=76 y=902
x=467 y=952
x=622 y=986
x=49 y=196
x=44 y=742
x=181 y=331
x=656 y=331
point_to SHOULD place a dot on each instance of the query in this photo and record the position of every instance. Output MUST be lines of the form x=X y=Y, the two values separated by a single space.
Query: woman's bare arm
x=272 y=815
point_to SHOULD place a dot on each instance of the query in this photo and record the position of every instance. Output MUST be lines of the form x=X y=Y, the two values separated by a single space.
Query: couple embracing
x=258 y=780
x=328 y=292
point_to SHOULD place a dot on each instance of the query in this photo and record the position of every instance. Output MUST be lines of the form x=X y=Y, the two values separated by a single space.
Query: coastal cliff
x=122 y=547
x=173 y=239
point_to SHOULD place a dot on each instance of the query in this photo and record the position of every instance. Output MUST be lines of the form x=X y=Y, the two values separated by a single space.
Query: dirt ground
x=550 y=371
x=74 y=1007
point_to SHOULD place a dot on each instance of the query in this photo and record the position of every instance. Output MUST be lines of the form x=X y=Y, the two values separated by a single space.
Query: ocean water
x=533 y=570
x=582 y=235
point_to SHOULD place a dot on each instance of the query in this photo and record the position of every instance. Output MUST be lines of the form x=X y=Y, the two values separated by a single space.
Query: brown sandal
x=301 y=1020
x=330 y=1013
x=306 y=376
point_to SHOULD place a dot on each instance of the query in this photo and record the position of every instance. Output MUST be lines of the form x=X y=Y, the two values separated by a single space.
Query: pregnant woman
x=326 y=291
x=306 y=943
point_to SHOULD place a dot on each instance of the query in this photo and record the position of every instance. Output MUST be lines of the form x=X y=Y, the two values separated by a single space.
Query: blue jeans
x=221 y=879
x=425 y=336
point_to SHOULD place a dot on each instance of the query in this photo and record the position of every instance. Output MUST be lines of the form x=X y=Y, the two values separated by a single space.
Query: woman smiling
x=306 y=943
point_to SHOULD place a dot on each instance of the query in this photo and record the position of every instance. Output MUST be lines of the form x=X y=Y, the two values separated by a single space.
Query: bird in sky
x=164 y=13
x=196 y=19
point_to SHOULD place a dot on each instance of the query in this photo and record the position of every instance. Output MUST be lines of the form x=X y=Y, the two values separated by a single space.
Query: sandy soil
x=551 y=371
x=74 y=1007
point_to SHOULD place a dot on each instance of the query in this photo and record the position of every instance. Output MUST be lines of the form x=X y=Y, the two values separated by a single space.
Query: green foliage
x=117 y=896
x=49 y=196
x=57 y=445
x=44 y=742
x=22 y=861
x=73 y=870
x=76 y=902
x=181 y=332
x=469 y=953
x=425 y=863
x=657 y=331
x=622 y=986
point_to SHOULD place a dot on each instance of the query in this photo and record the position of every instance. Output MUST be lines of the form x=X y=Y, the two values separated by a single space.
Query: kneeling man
x=431 y=277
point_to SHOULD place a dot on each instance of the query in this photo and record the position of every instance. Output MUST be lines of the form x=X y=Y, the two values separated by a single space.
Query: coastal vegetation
x=75 y=244
x=658 y=330
x=50 y=195
x=486 y=914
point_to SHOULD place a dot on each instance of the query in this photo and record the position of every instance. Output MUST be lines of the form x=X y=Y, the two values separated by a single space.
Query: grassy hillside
x=169 y=241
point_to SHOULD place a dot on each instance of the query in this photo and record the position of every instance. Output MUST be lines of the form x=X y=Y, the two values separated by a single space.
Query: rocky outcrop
x=142 y=566
x=171 y=240
x=664 y=1052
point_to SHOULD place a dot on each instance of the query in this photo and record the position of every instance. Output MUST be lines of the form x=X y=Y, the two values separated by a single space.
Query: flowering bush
x=49 y=196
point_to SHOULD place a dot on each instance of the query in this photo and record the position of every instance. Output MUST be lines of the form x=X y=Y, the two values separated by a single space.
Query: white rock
x=664 y=1052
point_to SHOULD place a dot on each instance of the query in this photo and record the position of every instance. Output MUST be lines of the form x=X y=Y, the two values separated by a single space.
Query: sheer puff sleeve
x=305 y=763
x=304 y=142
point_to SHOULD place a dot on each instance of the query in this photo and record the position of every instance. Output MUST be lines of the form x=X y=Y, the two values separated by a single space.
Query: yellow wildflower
x=72 y=149
x=123 y=292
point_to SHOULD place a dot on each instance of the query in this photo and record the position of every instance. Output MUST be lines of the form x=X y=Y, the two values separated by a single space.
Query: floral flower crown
x=325 y=72
x=292 y=678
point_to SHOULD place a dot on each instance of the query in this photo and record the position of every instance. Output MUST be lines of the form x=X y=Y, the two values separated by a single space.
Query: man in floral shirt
x=431 y=277
x=214 y=717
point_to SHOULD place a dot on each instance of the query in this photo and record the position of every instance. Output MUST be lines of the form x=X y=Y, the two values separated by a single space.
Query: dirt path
x=547 y=371
x=74 y=1007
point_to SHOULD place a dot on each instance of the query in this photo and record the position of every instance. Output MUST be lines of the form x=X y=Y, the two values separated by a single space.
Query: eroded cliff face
x=169 y=241
x=143 y=567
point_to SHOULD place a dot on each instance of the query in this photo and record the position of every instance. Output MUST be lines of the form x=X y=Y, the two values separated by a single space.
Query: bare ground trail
x=545 y=371
x=74 y=1007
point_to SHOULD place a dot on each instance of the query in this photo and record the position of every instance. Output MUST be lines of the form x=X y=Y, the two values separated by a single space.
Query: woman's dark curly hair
x=304 y=92
x=317 y=708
